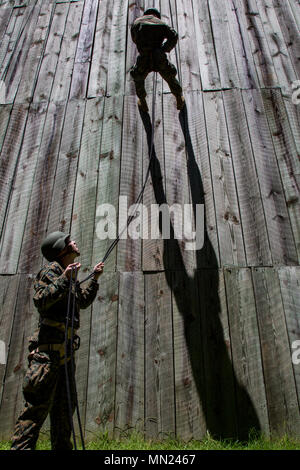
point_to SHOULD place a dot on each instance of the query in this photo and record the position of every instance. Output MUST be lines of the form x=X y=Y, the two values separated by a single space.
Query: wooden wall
x=177 y=342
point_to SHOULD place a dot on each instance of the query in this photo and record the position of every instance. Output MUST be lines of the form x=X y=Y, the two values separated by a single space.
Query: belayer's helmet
x=153 y=11
x=54 y=244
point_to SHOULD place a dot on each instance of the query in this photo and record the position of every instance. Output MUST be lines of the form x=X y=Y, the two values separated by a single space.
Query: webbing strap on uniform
x=139 y=198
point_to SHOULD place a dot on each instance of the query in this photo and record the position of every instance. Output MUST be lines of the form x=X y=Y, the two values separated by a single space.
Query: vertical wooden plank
x=35 y=54
x=16 y=66
x=278 y=49
x=290 y=31
x=25 y=321
x=65 y=64
x=99 y=66
x=241 y=47
x=21 y=191
x=224 y=50
x=50 y=58
x=277 y=218
x=108 y=179
x=194 y=128
x=230 y=233
x=159 y=363
x=188 y=361
x=12 y=37
x=283 y=407
x=130 y=248
x=252 y=411
x=259 y=46
x=5 y=111
x=8 y=288
x=207 y=60
x=129 y=398
x=60 y=214
x=100 y=394
x=154 y=194
x=289 y=278
x=83 y=215
x=85 y=46
x=10 y=155
x=6 y=19
x=295 y=8
x=187 y=51
x=177 y=185
x=117 y=49
x=287 y=156
x=41 y=194
x=218 y=383
x=251 y=208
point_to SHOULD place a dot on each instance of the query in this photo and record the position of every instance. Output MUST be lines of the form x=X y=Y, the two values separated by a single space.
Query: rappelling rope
x=72 y=299
x=139 y=198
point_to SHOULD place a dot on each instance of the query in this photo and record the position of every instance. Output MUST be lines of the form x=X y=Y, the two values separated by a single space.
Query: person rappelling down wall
x=49 y=383
x=149 y=33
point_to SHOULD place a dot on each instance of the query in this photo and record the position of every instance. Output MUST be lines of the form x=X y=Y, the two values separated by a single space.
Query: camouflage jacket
x=149 y=32
x=51 y=300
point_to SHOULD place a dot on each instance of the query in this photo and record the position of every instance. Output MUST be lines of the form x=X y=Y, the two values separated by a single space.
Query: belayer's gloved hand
x=69 y=268
x=98 y=270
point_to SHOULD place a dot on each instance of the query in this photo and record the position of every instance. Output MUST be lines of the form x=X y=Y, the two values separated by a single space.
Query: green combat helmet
x=153 y=11
x=53 y=245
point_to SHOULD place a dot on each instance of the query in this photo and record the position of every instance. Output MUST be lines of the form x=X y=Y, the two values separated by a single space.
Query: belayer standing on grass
x=149 y=33
x=44 y=386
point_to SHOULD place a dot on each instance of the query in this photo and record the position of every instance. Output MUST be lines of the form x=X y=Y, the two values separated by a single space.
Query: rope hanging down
x=139 y=198
x=69 y=342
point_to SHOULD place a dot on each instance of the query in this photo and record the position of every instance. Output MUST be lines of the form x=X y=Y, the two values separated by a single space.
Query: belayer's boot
x=142 y=104
x=180 y=102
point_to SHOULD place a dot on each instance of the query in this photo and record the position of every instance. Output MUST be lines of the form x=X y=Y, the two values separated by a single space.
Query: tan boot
x=142 y=104
x=180 y=102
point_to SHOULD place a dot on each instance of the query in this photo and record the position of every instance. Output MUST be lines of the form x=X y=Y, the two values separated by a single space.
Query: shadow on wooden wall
x=227 y=408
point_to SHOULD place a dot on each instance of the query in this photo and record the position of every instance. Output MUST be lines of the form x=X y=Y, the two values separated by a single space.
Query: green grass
x=136 y=441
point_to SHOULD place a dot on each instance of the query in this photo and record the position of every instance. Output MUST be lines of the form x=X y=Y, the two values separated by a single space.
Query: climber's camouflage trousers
x=44 y=389
x=154 y=61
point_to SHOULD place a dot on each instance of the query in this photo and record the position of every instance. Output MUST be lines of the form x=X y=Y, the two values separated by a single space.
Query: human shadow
x=227 y=407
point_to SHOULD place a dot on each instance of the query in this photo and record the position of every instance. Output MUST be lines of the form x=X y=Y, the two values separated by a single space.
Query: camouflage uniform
x=148 y=33
x=44 y=384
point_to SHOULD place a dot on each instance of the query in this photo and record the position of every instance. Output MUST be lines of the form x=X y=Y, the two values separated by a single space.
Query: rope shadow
x=227 y=407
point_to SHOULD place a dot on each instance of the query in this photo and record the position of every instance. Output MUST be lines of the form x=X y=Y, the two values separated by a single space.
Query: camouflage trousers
x=45 y=392
x=154 y=61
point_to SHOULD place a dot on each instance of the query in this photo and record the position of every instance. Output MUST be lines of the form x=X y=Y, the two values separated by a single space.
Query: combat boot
x=180 y=102
x=142 y=104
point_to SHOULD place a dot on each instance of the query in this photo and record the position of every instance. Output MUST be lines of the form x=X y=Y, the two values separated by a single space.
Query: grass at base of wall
x=136 y=442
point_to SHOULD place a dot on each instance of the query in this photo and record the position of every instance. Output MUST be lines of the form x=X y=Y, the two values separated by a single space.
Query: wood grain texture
x=208 y=64
x=159 y=361
x=229 y=228
x=283 y=408
x=41 y=194
x=129 y=250
x=188 y=365
x=252 y=406
x=252 y=213
x=284 y=138
x=84 y=206
x=289 y=278
x=108 y=181
x=129 y=397
x=17 y=211
x=223 y=45
x=272 y=195
x=100 y=393
x=25 y=321
x=8 y=288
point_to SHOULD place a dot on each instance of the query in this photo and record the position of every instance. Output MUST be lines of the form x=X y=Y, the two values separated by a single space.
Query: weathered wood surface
x=170 y=327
